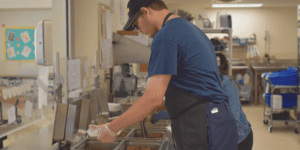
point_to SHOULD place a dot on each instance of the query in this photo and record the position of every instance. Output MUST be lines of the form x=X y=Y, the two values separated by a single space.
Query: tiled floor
x=282 y=137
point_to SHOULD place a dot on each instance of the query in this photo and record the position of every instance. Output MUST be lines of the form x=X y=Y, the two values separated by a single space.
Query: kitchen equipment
x=123 y=82
x=154 y=145
x=143 y=129
x=207 y=23
x=93 y=142
x=43 y=40
x=136 y=132
x=114 y=107
x=225 y=21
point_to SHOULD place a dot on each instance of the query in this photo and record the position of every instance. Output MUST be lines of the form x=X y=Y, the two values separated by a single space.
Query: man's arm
x=152 y=98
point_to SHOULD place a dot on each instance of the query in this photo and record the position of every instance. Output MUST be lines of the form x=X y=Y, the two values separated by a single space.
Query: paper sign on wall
x=74 y=74
x=11 y=114
x=107 y=54
x=108 y=25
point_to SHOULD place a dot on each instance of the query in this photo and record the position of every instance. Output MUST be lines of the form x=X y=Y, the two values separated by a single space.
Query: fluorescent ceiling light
x=235 y=5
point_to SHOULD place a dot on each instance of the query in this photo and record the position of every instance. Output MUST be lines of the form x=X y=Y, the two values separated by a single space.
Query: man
x=184 y=69
x=231 y=89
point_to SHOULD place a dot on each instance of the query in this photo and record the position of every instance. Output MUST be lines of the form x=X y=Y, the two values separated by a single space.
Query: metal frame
x=273 y=87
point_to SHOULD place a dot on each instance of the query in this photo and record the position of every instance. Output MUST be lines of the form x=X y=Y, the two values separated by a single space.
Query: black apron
x=198 y=124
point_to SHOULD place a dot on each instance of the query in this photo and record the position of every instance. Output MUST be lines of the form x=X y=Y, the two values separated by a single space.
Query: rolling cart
x=281 y=101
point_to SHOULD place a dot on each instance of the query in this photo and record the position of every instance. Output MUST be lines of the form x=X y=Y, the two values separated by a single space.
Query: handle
x=230 y=22
x=136 y=82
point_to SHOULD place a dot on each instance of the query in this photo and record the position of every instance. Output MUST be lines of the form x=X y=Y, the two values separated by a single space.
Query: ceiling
x=266 y=3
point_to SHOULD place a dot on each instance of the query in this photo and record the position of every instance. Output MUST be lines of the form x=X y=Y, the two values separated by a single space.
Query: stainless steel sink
x=258 y=64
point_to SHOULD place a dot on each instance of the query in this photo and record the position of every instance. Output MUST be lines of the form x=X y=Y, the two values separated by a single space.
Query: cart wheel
x=296 y=131
x=266 y=121
x=270 y=129
x=19 y=120
x=286 y=123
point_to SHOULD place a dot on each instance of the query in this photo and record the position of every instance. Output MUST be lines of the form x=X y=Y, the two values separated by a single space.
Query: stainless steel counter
x=40 y=140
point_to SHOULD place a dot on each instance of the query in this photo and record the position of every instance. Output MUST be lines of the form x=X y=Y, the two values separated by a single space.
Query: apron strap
x=167 y=18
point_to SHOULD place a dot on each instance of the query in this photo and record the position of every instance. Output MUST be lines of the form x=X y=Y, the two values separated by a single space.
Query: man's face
x=146 y=25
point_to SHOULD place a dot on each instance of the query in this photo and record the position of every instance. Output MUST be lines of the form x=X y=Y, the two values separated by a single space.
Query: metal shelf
x=223 y=31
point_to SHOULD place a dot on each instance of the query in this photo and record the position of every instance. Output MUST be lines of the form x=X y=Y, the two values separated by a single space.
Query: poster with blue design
x=19 y=43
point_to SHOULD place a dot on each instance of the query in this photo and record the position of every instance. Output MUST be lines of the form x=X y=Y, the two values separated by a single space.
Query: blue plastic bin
x=288 y=100
x=242 y=41
x=286 y=77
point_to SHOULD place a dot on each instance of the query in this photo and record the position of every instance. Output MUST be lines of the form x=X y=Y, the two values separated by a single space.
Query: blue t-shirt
x=182 y=50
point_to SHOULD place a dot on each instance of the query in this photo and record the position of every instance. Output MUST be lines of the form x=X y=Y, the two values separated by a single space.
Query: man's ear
x=145 y=11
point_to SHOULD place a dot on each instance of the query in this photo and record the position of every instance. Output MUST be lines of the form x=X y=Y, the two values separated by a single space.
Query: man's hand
x=105 y=134
x=152 y=98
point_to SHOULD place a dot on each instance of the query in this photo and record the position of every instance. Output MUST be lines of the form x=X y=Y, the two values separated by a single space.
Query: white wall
x=281 y=23
x=9 y=4
x=20 y=17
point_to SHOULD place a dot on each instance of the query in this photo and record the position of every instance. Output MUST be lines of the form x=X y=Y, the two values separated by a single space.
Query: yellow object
x=18 y=45
x=127 y=9
x=18 y=52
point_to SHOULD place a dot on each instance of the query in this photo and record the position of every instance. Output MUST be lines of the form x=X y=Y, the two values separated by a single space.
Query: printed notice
x=74 y=74
x=108 y=25
x=107 y=54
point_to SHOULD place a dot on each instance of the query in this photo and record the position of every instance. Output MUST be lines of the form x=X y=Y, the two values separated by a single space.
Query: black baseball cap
x=133 y=8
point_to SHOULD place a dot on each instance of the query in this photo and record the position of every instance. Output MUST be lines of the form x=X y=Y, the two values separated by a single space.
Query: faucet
x=268 y=58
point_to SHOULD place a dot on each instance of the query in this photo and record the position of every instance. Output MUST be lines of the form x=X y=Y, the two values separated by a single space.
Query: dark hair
x=157 y=5
x=223 y=68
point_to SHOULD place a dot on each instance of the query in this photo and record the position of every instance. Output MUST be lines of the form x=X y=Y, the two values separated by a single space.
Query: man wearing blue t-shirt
x=184 y=69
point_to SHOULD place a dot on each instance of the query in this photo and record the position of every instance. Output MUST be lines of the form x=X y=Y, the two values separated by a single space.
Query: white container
x=277 y=102
x=114 y=107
